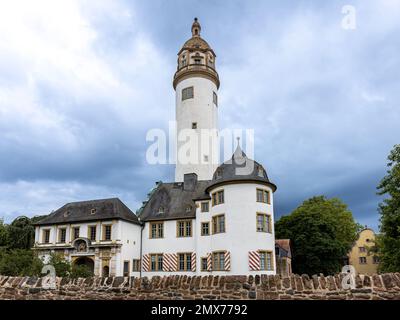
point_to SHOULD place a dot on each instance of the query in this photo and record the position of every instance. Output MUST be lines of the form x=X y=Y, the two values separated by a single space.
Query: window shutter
x=170 y=262
x=146 y=262
x=209 y=262
x=193 y=261
x=227 y=261
x=254 y=261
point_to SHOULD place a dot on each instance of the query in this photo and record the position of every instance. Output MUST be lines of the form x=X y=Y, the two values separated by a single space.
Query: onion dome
x=240 y=169
x=196 y=58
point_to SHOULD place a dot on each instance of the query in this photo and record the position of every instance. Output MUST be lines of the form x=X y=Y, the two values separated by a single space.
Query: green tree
x=81 y=271
x=20 y=262
x=3 y=234
x=21 y=234
x=62 y=266
x=322 y=232
x=389 y=209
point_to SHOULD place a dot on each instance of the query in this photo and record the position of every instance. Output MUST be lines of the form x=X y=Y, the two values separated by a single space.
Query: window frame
x=270 y=254
x=266 y=228
x=202 y=259
x=46 y=233
x=216 y=225
x=202 y=228
x=75 y=232
x=105 y=227
x=205 y=203
x=90 y=229
x=135 y=265
x=185 y=93
x=216 y=197
x=215 y=98
x=266 y=196
x=128 y=269
x=220 y=254
x=159 y=231
x=360 y=259
x=60 y=235
x=187 y=261
x=157 y=261
x=186 y=223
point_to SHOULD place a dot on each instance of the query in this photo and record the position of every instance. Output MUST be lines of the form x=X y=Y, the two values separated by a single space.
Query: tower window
x=187 y=93
x=215 y=98
x=205 y=158
x=194 y=125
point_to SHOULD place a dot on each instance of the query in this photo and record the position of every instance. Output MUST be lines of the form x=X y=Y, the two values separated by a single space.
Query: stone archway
x=85 y=261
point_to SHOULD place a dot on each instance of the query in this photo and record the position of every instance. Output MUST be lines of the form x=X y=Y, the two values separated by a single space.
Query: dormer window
x=260 y=172
x=161 y=210
x=219 y=173
x=66 y=214
x=188 y=208
x=93 y=211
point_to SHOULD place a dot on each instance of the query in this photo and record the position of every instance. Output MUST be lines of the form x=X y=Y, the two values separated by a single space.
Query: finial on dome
x=196 y=28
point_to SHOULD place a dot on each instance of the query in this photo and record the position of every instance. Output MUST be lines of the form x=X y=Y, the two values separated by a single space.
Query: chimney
x=189 y=181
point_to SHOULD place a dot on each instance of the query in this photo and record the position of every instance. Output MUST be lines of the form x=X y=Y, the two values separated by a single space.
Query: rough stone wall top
x=296 y=287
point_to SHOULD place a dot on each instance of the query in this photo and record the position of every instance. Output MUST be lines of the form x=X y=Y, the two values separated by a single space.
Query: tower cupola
x=196 y=58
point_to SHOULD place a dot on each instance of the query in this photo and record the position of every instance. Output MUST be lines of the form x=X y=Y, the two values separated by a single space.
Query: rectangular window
x=156 y=230
x=361 y=249
x=62 y=235
x=184 y=228
x=215 y=98
x=263 y=196
x=75 y=233
x=266 y=260
x=263 y=222
x=205 y=228
x=204 y=264
x=363 y=260
x=187 y=93
x=205 y=207
x=375 y=259
x=107 y=232
x=92 y=233
x=194 y=125
x=218 y=197
x=136 y=265
x=126 y=268
x=218 y=224
x=218 y=261
x=46 y=236
x=184 y=261
x=156 y=262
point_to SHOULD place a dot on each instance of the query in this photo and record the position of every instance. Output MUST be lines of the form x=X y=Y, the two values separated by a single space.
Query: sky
x=82 y=82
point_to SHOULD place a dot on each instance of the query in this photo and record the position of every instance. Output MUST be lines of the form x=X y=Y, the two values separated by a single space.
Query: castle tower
x=196 y=84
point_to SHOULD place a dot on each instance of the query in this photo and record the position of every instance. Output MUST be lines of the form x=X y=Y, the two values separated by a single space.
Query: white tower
x=196 y=84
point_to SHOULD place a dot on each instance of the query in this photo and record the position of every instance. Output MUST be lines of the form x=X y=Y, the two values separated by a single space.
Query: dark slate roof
x=106 y=209
x=235 y=170
x=174 y=199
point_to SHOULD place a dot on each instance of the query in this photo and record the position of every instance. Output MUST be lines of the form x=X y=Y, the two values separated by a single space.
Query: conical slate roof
x=240 y=168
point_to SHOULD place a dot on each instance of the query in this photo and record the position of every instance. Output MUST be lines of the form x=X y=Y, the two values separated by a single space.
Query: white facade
x=202 y=113
x=239 y=237
x=124 y=245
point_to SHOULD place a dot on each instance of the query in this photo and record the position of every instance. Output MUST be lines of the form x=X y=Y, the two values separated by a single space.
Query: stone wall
x=376 y=287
